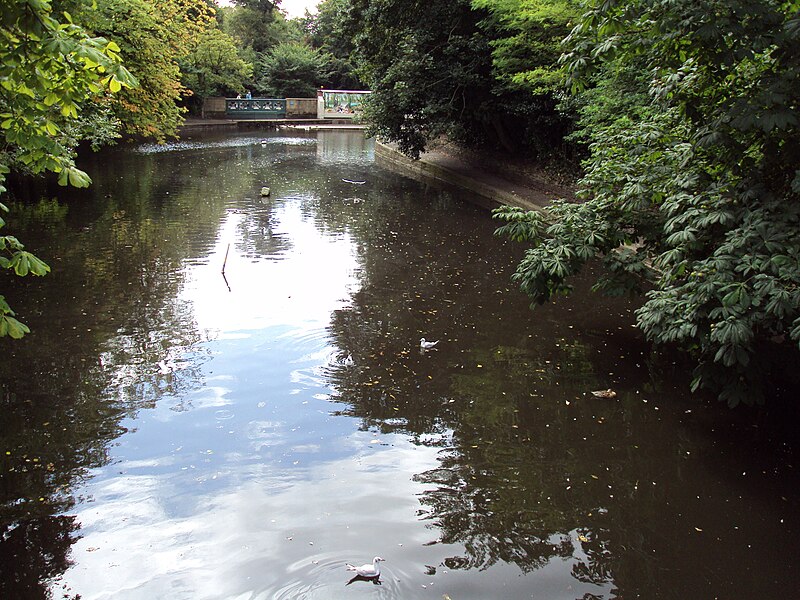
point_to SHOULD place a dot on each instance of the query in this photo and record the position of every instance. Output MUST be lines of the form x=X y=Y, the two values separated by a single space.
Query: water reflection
x=168 y=432
x=243 y=528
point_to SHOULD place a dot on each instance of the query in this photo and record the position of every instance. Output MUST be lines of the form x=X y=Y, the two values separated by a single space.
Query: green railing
x=255 y=108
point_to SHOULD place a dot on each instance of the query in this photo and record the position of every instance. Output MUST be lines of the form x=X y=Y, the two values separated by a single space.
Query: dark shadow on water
x=372 y=580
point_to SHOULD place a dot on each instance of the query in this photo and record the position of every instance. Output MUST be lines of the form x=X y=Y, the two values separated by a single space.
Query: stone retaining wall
x=485 y=194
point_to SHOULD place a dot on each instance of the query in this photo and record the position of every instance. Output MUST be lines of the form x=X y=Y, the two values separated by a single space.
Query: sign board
x=339 y=104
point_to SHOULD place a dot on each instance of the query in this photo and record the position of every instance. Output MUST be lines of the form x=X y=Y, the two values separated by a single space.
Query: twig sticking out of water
x=225 y=262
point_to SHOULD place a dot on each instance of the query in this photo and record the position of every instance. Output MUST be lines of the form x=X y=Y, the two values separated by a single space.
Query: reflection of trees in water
x=164 y=359
x=492 y=522
x=109 y=338
x=506 y=488
x=258 y=229
x=514 y=484
x=23 y=571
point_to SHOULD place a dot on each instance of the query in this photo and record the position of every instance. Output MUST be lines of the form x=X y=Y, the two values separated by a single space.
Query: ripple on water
x=184 y=145
x=313 y=335
x=326 y=577
x=289 y=141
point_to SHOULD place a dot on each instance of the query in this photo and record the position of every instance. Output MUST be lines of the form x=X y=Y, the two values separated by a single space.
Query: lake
x=224 y=396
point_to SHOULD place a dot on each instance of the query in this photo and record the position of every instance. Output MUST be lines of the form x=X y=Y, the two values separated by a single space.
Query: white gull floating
x=368 y=570
x=426 y=345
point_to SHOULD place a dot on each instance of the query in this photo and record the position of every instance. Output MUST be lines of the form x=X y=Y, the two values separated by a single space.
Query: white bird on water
x=349 y=362
x=368 y=570
x=165 y=367
x=426 y=345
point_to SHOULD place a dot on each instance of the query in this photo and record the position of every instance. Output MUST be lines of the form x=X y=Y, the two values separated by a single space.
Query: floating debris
x=609 y=393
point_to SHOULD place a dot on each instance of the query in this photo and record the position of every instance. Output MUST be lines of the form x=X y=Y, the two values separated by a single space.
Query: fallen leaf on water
x=697 y=529
x=609 y=393
x=583 y=538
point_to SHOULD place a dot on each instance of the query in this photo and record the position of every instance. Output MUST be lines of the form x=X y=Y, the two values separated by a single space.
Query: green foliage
x=328 y=33
x=262 y=6
x=449 y=68
x=52 y=72
x=153 y=35
x=214 y=66
x=291 y=70
x=9 y=326
x=259 y=29
x=526 y=41
x=691 y=187
x=429 y=70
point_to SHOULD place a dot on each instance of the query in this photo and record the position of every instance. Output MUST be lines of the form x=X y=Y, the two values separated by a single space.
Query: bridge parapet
x=255 y=108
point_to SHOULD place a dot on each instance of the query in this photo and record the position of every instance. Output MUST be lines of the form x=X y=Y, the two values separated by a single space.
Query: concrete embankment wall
x=301 y=107
x=488 y=192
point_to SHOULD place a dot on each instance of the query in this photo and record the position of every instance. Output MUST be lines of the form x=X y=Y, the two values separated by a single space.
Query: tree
x=259 y=26
x=429 y=68
x=153 y=36
x=263 y=6
x=214 y=66
x=51 y=70
x=526 y=38
x=445 y=68
x=327 y=33
x=291 y=70
x=692 y=186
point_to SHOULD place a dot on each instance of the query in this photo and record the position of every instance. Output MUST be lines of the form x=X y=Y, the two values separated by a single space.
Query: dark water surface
x=168 y=432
